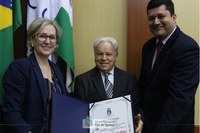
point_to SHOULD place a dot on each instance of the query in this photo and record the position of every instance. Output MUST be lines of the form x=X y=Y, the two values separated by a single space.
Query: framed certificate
x=111 y=116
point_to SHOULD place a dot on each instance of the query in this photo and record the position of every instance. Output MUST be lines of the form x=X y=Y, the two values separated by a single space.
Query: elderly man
x=105 y=80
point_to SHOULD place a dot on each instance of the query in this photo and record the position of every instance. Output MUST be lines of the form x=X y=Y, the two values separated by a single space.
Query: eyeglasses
x=43 y=37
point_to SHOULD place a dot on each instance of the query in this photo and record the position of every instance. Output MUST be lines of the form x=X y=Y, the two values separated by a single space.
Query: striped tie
x=108 y=86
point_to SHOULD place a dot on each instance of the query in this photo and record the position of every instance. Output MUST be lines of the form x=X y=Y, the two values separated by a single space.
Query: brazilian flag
x=10 y=20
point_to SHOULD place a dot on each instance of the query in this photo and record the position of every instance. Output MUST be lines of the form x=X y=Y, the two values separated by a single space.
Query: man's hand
x=138 y=123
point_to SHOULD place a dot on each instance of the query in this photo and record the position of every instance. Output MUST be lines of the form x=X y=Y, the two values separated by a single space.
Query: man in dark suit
x=168 y=80
x=89 y=86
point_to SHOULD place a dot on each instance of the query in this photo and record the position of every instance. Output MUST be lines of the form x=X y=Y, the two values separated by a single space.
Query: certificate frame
x=112 y=115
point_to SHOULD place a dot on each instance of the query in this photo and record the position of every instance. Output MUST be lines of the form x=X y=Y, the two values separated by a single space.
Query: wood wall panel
x=196 y=129
x=138 y=34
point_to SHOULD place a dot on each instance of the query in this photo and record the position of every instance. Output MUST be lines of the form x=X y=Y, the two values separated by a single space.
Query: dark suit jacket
x=89 y=86
x=168 y=90
x=26 y=95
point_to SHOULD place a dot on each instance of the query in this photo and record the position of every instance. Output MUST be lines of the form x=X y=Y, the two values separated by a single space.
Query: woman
x=30 y=82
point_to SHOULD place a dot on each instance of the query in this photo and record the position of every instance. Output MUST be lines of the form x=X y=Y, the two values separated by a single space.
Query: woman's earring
x=56 y=46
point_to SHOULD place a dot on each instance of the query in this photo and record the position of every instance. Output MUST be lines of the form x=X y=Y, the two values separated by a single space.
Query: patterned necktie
x=108 y=86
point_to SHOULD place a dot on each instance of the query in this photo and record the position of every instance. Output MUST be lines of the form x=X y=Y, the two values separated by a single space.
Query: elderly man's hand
x=138 y=123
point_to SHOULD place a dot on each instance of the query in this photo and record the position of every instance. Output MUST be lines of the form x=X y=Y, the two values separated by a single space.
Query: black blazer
x=89 y=86
x=26 y=95
x=168 y=90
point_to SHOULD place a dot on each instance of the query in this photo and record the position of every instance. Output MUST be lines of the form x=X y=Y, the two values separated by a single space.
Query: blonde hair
x=39 y=24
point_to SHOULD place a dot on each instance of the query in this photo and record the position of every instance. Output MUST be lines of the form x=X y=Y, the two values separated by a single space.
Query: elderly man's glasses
x=43 y=37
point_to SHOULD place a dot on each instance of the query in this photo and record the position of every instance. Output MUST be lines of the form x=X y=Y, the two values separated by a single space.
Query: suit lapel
x=38 y=74
x=118 y=83
x=150 y=55
x=164 y=51
x=98 y=83
x=57 y=73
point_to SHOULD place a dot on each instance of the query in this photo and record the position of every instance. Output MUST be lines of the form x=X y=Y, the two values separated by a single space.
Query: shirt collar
x=111 y=71
x=167 y=38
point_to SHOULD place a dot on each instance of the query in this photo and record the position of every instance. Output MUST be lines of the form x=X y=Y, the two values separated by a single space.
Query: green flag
x=10 y=20
x=66 y=49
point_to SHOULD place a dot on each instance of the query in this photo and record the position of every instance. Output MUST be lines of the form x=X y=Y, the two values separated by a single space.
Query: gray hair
x=38 y=24
x=111 y=40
